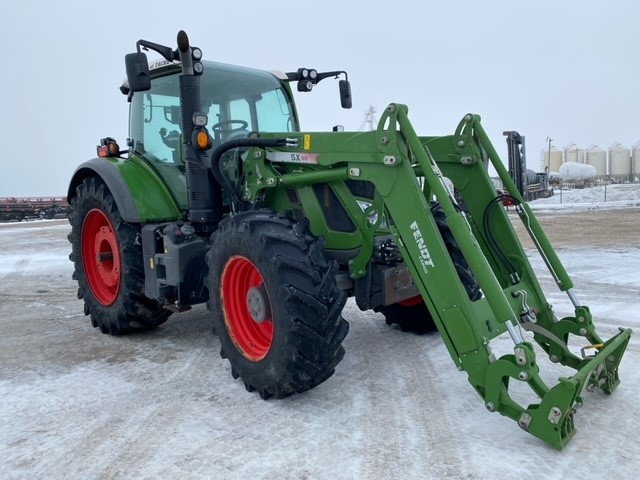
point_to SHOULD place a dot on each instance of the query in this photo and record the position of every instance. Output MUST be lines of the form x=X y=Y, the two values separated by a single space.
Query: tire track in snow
x=137 y=432
x=15 y=273
x=405 y=427
x=125 y=424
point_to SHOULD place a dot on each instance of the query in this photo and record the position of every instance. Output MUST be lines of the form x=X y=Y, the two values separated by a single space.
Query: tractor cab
x=236 y=101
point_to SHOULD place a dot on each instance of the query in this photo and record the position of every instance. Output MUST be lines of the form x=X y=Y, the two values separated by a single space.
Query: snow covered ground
x=76 y=404
x=604 y=197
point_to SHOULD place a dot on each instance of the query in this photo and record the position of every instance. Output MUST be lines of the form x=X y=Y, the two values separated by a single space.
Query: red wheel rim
x=101 y=257
x=252 y=339
x=411 y=302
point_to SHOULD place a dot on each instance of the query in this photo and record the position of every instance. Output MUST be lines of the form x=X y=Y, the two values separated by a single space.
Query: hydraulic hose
x=491 y=241
x=217 y=153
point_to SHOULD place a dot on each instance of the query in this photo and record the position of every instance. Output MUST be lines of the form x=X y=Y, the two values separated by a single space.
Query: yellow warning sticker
x=307 y=142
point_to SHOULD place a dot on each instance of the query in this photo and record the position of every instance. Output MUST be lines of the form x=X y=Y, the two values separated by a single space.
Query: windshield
x=237 y=101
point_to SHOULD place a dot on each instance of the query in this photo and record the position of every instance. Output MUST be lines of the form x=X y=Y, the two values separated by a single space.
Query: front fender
x=139 y=193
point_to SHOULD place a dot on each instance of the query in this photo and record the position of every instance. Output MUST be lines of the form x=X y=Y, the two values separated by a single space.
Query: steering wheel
x=221 y=127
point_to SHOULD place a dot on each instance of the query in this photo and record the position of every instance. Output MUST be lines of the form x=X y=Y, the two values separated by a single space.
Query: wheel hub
x=258 y=304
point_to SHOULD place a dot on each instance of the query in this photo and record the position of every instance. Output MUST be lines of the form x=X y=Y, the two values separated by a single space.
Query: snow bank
x=604 y=197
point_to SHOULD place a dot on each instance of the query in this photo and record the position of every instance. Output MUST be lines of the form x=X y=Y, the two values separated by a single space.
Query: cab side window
x=162 y=133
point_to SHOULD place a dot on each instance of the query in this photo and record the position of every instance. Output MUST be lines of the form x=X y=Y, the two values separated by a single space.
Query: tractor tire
x=108 y=264
x=275 y=303
x=412 y=315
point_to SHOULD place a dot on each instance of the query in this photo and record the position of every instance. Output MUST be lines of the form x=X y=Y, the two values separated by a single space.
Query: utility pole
x=370 y=122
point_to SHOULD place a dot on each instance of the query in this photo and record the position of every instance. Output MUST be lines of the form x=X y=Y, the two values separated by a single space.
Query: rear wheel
x=412 y=315
x=275 y=303
x=107 y=257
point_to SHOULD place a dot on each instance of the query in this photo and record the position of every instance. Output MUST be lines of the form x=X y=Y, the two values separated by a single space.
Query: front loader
x=220 y=198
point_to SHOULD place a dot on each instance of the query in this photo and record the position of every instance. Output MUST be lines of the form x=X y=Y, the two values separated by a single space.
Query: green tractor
x=221 y=199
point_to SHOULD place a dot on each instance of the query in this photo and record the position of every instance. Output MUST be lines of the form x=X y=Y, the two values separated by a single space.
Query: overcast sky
x=564 y=69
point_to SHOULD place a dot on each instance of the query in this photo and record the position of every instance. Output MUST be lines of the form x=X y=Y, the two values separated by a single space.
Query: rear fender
x=139 y=193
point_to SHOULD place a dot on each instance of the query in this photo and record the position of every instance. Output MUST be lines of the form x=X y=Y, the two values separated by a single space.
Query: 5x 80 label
x=293 y=157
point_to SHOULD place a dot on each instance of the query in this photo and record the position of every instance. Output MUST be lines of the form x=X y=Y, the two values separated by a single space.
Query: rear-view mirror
x=137 y=72
x=345 y=93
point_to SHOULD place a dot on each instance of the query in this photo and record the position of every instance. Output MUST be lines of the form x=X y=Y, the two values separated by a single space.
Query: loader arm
x=407 y=172
x=517 y=303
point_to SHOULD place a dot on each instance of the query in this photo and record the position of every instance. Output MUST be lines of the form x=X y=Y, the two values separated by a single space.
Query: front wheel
x=275 y=304
x=107 y=258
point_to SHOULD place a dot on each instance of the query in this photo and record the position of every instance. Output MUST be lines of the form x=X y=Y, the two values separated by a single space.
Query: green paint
x=150 y=194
